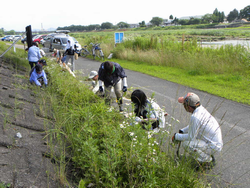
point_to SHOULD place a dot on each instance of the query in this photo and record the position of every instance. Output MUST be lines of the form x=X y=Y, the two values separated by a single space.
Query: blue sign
x=119 y=37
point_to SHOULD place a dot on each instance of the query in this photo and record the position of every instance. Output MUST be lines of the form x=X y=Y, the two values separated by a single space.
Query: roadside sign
x=119 y=37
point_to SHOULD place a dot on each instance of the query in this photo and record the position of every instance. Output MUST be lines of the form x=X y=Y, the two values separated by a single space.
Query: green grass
x=230 y=86
x=104 y=146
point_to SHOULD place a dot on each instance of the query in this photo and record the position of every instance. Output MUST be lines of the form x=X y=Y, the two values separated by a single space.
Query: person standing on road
x=70 y=51
x=112 y=75
x=202 y=137
x=33 y=55
x=147 y=111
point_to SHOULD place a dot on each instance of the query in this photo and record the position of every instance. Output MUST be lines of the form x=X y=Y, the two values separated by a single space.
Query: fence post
x=29 y=36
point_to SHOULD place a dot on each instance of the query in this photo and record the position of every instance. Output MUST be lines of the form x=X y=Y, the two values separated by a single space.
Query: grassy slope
x=235 y=88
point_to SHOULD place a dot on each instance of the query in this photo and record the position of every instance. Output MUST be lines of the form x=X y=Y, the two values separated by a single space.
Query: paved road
x=233 y=165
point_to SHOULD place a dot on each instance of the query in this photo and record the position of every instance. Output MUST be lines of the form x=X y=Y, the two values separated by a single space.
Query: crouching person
x=38 y=76
x=202 y=138
x=112 y=75
x=147 y=111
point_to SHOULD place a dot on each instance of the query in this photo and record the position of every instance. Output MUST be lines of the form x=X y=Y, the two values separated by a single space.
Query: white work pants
x=200 y=150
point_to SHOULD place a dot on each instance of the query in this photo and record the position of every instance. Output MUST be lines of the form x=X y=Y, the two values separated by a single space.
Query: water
x=245 y=43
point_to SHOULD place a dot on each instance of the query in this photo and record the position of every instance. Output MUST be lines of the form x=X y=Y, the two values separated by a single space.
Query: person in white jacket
x=147 y=111
x=202 y=137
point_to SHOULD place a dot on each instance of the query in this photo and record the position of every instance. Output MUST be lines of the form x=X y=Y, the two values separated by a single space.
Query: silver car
x=58 y=41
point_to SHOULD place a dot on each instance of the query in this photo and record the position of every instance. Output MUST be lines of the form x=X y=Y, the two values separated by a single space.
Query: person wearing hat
x=41 y=62
x=33 y=55
x=147 y=111
x=202 y=137
x=111 y=74
x=38 y=76
x=95 y=84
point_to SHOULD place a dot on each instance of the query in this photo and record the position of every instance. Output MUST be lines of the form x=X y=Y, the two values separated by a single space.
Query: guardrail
x=14 y=42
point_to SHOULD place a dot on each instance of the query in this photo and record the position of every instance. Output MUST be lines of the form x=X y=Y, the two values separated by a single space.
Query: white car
x=59 y=41
x=17 y=37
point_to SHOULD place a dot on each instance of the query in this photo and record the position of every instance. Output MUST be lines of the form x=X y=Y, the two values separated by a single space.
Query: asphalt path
x=233 y=163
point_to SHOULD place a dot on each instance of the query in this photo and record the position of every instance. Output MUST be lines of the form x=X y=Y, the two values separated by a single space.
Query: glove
x=101 y=89
x=124 y=89
x=173 y=138
x=137 y=119
x=181 y=131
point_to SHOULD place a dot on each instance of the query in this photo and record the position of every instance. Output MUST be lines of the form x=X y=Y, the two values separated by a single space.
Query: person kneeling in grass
x=38 y=76
x=147 y=111
x=202 y=138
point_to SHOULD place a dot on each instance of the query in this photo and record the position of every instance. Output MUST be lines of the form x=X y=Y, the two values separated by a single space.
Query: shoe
x=205 y=165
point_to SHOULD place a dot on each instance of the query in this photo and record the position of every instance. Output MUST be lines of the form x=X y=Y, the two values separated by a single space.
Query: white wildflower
x=156 y=143
x=131 y=133
x=122 y=126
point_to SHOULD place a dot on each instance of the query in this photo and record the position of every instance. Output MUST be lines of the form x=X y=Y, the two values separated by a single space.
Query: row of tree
x=216 y=17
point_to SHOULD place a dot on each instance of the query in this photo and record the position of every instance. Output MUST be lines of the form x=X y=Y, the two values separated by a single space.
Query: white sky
x=18 y=14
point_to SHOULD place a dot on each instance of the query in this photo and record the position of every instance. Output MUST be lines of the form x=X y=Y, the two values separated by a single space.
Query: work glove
x=124 y=89
x=101 y=89
x=137 y=119
x=173 y=139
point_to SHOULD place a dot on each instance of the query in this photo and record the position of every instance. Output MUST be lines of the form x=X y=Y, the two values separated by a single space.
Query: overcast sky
x=16 y=14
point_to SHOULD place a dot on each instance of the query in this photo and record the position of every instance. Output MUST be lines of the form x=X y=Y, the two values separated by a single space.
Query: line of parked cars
x=11 y=37
x=57 y=40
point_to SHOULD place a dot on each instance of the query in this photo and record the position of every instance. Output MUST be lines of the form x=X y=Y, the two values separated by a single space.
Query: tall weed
x=108 y=150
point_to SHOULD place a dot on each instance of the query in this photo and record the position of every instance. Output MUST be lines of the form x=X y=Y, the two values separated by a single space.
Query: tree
x=123 y=25
x=232 y=15
x=142 y=24
x=245 y=13
x=11 y=32
x=221 y=17
x=218 y=16
x=106 y=25
x=171 y=17
x=207 y=18
x=156 y=21
x=175 y=21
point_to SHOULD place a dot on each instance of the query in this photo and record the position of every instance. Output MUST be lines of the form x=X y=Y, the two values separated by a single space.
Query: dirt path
x=22 y=162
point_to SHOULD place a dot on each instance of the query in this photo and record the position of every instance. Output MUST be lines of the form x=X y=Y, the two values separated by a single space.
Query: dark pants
x=32 y=64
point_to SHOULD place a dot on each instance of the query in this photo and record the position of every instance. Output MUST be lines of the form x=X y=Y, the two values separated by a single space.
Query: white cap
x=92 y=74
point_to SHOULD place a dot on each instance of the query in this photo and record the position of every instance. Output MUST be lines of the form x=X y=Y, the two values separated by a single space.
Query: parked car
x=17 y=37
x=59 y=41
x=38 y=39
x=8 y=38
x=24 y=40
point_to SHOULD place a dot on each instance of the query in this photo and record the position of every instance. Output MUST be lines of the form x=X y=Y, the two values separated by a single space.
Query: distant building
x=134 y=25
x=188 y=17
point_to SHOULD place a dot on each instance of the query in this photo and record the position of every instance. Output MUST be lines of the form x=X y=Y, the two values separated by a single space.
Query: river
x=245 y=43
